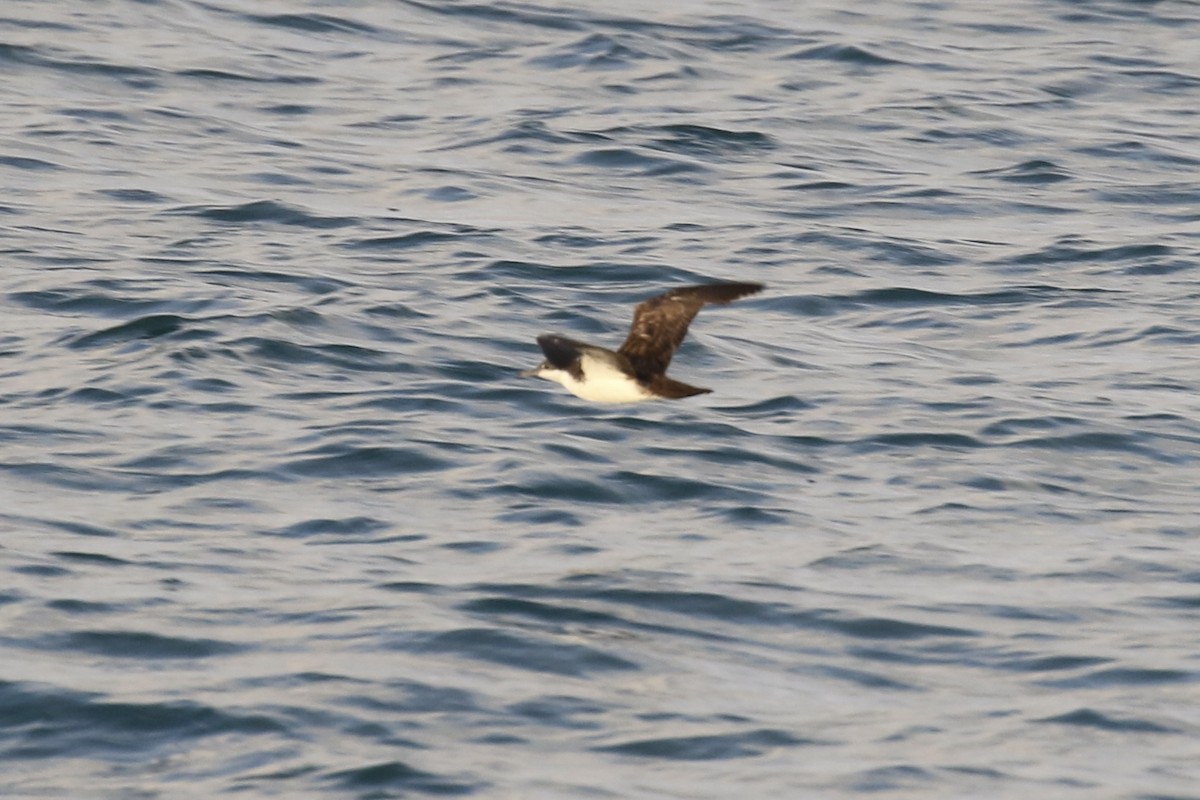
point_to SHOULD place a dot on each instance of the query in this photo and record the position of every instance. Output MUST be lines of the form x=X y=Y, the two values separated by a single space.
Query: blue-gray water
x=279 y=519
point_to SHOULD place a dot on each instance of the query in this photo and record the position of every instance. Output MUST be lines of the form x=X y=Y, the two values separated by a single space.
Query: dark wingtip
x=742 y=289
x=722 y=293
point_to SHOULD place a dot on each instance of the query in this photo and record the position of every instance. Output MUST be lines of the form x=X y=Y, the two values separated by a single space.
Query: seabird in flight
x=637 y=371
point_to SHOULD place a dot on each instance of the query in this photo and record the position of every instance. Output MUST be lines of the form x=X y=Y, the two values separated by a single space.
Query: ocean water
x=278 y=518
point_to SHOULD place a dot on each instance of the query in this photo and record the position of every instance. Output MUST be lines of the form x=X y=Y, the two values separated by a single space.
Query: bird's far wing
x=661 y=323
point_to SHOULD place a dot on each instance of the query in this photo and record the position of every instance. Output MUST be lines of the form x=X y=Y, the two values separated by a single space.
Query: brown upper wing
x=660 y=323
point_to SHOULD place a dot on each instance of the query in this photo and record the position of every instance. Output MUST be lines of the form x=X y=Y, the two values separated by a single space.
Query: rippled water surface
x=279 y=519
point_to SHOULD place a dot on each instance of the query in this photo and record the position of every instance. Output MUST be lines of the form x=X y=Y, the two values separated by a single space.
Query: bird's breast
x=605 y=382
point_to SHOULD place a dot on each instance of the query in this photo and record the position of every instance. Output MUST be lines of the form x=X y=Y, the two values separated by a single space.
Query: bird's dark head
x=562 y=356
x=561 y=352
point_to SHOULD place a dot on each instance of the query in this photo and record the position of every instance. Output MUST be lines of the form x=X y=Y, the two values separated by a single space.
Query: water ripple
x=523 y=652
x=398 y=776
x=60 y=721
x=707 y=748
x=265 y=211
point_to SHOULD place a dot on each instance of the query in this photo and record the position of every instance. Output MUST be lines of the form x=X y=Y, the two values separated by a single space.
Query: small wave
x=1099 y=441
x=621 y=159
x=396 y=776
x=98 y=559
x=72 y=606
x=918 y=439
x=877 y=627
x=511 y=270
x=650 y=488
x=1090 y=718
x=1188 y=602
x=705 y=605
x=558 y=711
x=738 y=457
x=450 y=194
x=1135 y=150
x=139 y=77
x=17 y=53
x=133 y=195
x=781 y=406
x=1027 y=663
x=541 y=612
x=351 y=527
x=102 y=298
x=1070 y=251
x=208 y=74
x=95 y=395
x=313 y=284
x=845 y=53
x=1125 y=677
x=1157 y=194
x=364 y=462
x=996 y=136
x=23 y=162
x=602 y=51
x=751 y=516
x=140 y=645
x=151 y=326
x=912 y=297
x=312 y=23
x=867 y=679
x=405 y=241
x=524 y=652
x=698 y=140
x=526 y=134
x=504 y=13
x=344 y=356
x=56 y=723
x=555 y=485
x=55 y=474
x=1036 y=172
x=709 y=748
x=537 y=515
x=70 y=526
x=906 y=778
x=265 y=211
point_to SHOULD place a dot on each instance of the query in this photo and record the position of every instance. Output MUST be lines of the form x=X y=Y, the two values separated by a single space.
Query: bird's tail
x=673 y=389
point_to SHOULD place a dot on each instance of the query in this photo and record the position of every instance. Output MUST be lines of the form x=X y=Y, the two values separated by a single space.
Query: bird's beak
x=529 y=373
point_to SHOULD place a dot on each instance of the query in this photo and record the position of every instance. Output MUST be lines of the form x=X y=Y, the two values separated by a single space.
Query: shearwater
x=638 y=370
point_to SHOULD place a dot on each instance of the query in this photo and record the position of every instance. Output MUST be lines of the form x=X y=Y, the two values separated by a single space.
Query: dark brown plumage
x=661 y=323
